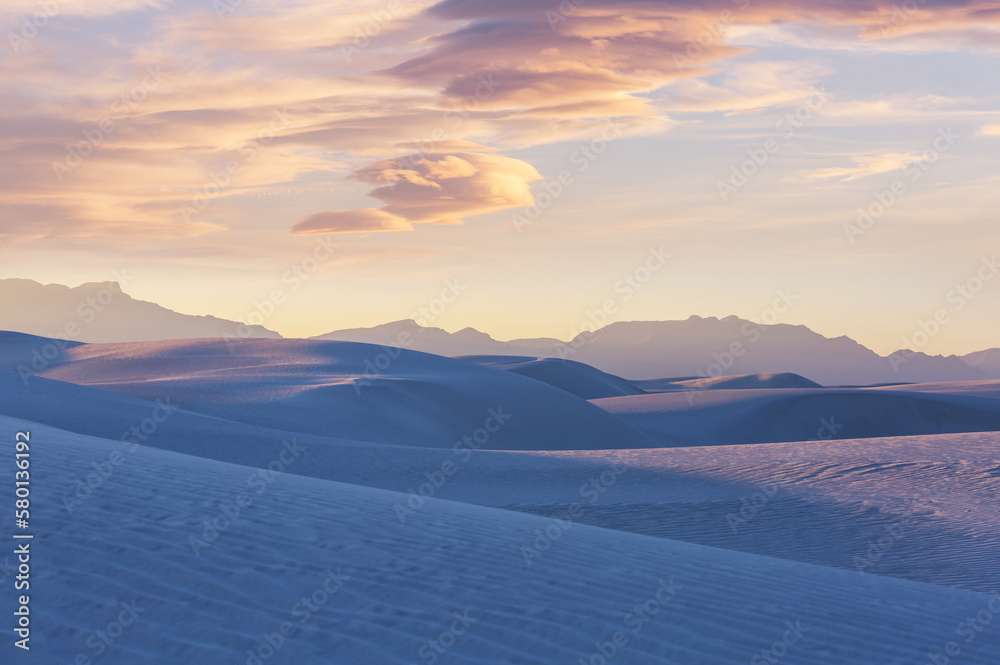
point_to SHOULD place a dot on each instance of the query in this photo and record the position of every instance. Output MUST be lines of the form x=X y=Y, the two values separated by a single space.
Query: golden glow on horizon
x=209 y=149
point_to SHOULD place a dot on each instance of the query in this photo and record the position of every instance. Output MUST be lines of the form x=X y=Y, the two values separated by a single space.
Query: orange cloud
x=443 y=188
x=437 y=188
x=437 y=81
x=350 y=221
x=864 y=166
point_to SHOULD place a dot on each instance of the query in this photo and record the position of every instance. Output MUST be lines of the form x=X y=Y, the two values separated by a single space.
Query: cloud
x=88 y=8
x=864 y=166
x=425 y=88
x=896 y=108
x=351 y=221
x=435 y=188
x=443 y=188
x=579 y=59
x=752 y=86
x=302 y=35
x=990 y=130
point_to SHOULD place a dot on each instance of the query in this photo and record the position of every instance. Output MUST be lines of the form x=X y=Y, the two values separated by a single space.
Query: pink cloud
x=351 y=221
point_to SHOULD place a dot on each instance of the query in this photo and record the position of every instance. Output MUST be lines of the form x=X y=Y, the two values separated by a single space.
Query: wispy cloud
x=351 y=221
x=864 y=166
x=367 y=85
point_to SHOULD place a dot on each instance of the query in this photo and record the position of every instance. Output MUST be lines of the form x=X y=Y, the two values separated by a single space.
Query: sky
x=525 y=168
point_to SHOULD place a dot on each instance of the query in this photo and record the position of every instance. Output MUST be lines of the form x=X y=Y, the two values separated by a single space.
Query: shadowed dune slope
x=351 y=391
x=712 y=417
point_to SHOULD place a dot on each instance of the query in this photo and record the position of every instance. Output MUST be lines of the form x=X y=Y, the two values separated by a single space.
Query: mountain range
x=102 y=312
x=696 y=347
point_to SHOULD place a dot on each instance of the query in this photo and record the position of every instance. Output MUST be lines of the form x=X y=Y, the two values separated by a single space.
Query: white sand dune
x=707 y=417
x=880 y=547
x=349 y=390
x=573 y=377
x=976 y=388
x=661 y=492
x=924 y=508
x=382 y=591
x=734 y=382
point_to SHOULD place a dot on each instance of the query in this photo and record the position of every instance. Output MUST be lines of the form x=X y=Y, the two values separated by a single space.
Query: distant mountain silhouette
x=695 y=347
x=102 y=312
x=409 y=334
x=987 y=361
x=637 y=350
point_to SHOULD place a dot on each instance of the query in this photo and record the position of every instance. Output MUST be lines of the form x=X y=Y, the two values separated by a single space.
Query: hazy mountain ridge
x=102 y=312
x=695 y=347
x=987 y=361
x=637 y=350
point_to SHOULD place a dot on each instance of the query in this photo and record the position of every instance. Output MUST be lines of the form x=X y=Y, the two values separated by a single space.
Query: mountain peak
x=103 y=312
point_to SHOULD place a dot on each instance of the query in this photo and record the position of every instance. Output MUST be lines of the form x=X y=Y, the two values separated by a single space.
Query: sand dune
x=976 y=388
x=573 y=377
x=708 y=417
x=879 y=547
x=829 y=498
x=352 y=391
x=381 y=591
x=736 y=382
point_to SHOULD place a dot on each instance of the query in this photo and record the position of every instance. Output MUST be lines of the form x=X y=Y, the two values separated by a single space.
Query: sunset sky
x=534 y=153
